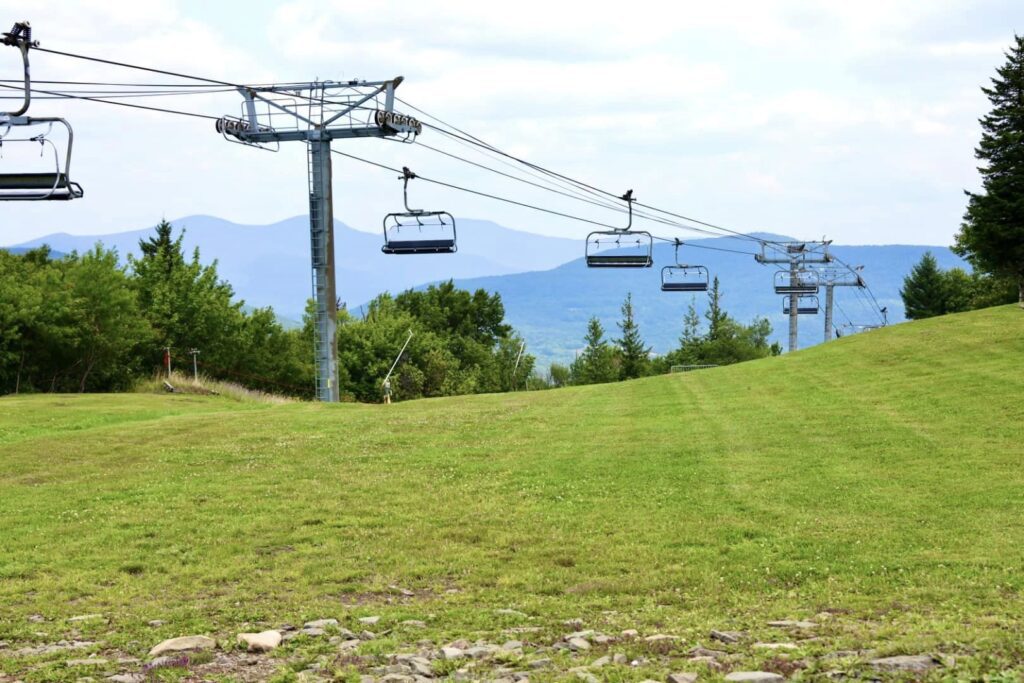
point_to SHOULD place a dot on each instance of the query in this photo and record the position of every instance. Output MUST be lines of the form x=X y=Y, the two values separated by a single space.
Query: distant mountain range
x=549 y=293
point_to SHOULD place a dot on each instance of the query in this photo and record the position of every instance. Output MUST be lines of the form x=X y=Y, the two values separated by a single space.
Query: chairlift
x=796 y=282
x=805 y=305
x=620 y=248
x=416 y=231
x=46 y=182
x=683 y=277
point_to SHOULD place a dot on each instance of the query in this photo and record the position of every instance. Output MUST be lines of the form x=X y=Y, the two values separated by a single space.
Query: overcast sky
x=855 y=120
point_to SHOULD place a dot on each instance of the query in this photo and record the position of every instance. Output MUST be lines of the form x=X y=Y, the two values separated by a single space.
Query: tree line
x=718 y=340
x=991 y=236
x=87 y=322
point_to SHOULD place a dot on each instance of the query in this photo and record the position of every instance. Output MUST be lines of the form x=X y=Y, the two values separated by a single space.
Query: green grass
x=879 y=478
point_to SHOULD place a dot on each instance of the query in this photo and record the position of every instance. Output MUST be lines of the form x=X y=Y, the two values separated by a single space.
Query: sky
x=852 y=121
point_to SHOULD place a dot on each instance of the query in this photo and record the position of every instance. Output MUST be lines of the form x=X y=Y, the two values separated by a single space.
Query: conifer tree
x=924 y=289
x=596 y=363
x=635 y=357
x=991 y=237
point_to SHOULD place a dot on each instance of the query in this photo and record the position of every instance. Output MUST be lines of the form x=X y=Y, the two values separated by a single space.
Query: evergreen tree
x=634 y=356
x=924 y=289
x=991 y=237
x=596 y=363
x=716 y=316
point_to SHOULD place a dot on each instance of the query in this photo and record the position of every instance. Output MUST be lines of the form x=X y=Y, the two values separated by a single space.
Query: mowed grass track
x=879 y=478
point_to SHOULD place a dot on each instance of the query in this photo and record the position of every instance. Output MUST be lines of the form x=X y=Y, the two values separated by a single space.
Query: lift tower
x=831 y=278
x=317 y=113
x=798 y=280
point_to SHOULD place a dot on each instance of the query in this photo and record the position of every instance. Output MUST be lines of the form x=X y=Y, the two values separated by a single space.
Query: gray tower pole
x=321 y=242
x=828 y=311
x=793 y=269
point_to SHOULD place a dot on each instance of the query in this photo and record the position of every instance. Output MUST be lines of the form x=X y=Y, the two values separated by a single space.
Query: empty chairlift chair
x=683 y=277
x=796 y=282
x=625 y=248
x=39 y=179
x=415 y=231
x=806 y=304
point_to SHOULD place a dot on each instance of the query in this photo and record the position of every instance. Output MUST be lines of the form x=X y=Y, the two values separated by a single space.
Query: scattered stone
x=512 y=645
x=728 y=636
x=461 y=643
x=786 y=623
x=260 y=642
x=319 y=623
x=56 y=647
x=587 y=677
x=350 y=644
x=167 y=662
x=91 y=661
x=367 y=635
x=156 y=623
x=421 y=667
x=600 y=661
x=682 y=677
x=630 y=633
x=540 y=663
x=573 y=623
x=710 y=662
x=511 y=613
x=620 y=659
x=602 y=639
x=183 y=644
x=578 y=644
x=481 y=651
x=660 y=637
x=127 y=678
x=36 y=618
x=581 y=634
x=754 y=677
x=705 y=652
x=777 y=646
x=904 y=663
x=86 y=617
x=452 y=653
x=397 y=678
x=414 y=623
x=369 y=621
x=521 y=677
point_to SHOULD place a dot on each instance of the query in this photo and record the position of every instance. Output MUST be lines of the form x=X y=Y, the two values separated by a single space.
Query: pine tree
x=991 y=237
x=596 y=363
x=924 y=289
x=634 y=355
x=717 y=317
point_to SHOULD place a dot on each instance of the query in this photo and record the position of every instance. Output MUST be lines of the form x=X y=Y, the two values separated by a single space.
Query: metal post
x=321 y=239
x=195 y=364
x=794 y=268
x=829 y=287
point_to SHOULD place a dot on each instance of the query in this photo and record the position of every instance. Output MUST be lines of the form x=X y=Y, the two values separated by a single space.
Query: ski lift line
x=477 y=141
x=117 y=94
x=120 y=104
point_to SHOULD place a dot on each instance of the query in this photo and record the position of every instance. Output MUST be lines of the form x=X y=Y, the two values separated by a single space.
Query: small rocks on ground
x=320 y=623
x=155 y=623
x=682 y=677
x=776 y=646
x=573 y=623
x=754 y=677
x=264 y=641
x=587 y=677
x=578 y=644
x=660 y=637
x=183 y=644
x=369 y=621
x=511 y=613
x=414 y=623
x=127 y=678
x=728 y=636
x=452 y=653
x=512 y=645
x=600 y=662
x=904 y=663
x=86 y=617
x=630 y=633
x=540 y=663
x=786 y=623
x=705 y=652
x=620 y=659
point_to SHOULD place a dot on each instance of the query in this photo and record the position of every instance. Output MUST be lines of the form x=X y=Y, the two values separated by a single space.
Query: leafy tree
x=925 y=290
x=560 y=375
x=596 y=363
x=634 y=357
x=991 y=237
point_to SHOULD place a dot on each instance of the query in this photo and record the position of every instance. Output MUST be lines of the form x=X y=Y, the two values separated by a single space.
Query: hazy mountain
x=268 y=265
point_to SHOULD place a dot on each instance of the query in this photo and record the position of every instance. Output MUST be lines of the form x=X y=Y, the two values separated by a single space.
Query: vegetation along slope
x=872 y=485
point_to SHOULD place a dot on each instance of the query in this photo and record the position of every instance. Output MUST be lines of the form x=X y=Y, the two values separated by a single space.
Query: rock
x=422 y=668
x=350 y=644
x=127 y=678
x=512 y=645
x=602 y=639
x=461 y=643
x=728 y=636
x=367 y=635
x=600 y=661
x=630 y=633
x=183 y=644
x=682 y=677
x=660 y=637
x=705 y=652
x=414 y=623
x=167 y=662
x=156 y=623
x=785 y=623
x=511 y=613
x=578 y=644
x=587 y=678
x=56 y=647
x=452 y=653
x=312 y=631
x=521 y=677
x=776 y=646
x=369 y=621
x=86 y=617
x=481 y=651
x=320 y=623
x=397 y=678
x=573 y=623
x=904 y=663
x=36 y=618
x=581 y=634
x=754 y=677
x=260 y=642
x=620 y=659
x=91 y=661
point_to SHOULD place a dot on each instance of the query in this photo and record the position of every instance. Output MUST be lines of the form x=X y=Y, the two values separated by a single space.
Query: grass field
x=874 y=485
